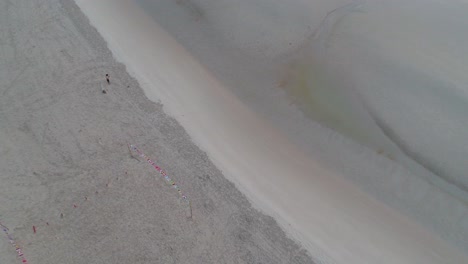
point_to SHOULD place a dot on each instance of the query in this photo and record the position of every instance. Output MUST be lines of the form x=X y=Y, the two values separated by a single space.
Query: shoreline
x=396 y=180
x=212 y=116
x=390 y=176
x=70 y=190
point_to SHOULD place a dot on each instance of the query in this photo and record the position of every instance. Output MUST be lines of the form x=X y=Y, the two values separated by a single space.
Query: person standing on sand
x=107 y=78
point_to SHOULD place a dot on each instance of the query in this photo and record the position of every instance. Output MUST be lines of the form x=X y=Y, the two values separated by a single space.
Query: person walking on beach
x=107 y=78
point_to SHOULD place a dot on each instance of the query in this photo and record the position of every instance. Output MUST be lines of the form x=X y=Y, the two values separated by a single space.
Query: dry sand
x=63 y=143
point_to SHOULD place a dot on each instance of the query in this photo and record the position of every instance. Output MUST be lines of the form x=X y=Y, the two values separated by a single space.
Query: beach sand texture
x=71 y=192
x=66 y=169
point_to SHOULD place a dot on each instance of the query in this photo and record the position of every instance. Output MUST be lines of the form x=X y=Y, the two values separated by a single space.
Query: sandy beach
x=63 y=143
x=72 y=191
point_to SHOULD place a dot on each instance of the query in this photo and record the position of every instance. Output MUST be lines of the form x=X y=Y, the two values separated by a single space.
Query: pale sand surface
x=224 y=38
x=333 y=219
x=62 y=140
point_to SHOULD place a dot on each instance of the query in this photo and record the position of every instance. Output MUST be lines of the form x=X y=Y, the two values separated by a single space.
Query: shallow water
x=261 y=74
x=376 y=72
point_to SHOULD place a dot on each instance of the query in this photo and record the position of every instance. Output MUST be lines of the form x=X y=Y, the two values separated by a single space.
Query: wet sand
x=67 y=171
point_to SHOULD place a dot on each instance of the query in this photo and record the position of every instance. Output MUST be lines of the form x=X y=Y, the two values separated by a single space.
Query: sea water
x=388 y=75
